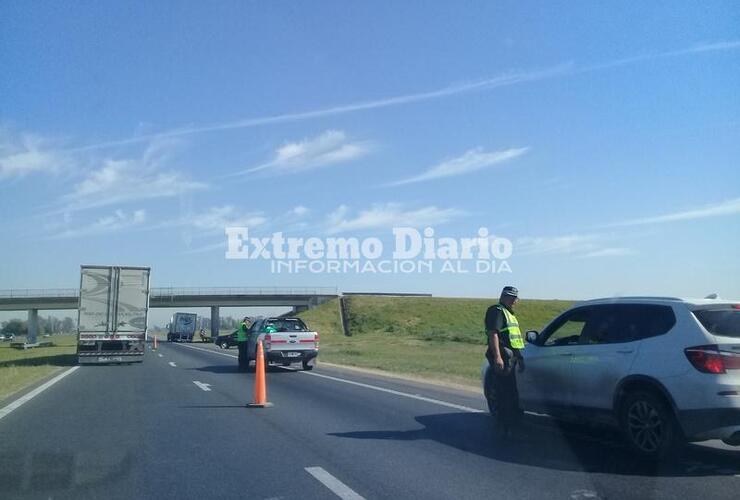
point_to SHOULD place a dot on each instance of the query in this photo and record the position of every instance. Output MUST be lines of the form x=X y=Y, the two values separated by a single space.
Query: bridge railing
x=262 y=290
x=46 y=292
x=177 y=291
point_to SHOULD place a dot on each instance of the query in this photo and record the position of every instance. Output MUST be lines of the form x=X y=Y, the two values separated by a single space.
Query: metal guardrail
x=177 y=291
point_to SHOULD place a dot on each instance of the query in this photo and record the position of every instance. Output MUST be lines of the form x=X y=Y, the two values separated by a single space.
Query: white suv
x=665 y=370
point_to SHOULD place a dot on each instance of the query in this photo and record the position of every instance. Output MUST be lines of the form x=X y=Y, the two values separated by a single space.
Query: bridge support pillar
x=33 y=326
x=215 y=322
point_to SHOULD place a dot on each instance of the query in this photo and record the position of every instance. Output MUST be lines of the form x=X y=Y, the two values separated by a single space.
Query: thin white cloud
x=388 y=215
x=725 y=208
x=331 y=147
x=609 y=252
x=115 y=222
x=577 y=245
x=221 y=245
x=485 y=84
x=217 y=218
x=24 y=153
x=711 y=47
x=299 y=211
x=470 y=161
x=120 y=181
x=565 y=244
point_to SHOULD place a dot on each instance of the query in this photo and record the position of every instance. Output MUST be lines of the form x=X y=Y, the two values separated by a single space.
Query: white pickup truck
x=284 y=340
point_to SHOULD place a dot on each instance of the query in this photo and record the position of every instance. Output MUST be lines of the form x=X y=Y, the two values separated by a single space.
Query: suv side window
x=567 y=329
x=619 y=323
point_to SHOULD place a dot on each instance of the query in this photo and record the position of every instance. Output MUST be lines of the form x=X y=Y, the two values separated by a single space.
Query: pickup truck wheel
x=306 y=365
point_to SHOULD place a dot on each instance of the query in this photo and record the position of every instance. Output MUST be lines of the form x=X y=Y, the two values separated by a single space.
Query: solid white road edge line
x=335 y=485
x=367 y=386
x=24 y=399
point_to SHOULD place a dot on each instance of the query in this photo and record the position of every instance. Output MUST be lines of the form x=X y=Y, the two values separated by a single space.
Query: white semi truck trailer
x=181 y=327
x=112 y=317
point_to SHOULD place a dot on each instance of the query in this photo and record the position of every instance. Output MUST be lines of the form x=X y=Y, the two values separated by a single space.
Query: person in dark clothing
x=505 y=344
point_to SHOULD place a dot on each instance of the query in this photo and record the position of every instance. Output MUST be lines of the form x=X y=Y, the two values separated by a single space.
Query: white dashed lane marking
x=172 y=364
x=335 y=485
x=205 y=387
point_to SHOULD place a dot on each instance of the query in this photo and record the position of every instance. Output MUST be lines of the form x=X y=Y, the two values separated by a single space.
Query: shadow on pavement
x=553 y=446
x=235 y=369
x=213 y=406
x=218 y=369
x=56 y=360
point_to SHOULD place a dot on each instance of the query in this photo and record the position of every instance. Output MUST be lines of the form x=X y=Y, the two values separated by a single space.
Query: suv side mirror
x=532 y=336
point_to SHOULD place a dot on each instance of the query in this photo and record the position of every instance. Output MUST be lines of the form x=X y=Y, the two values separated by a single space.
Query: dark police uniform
x=504 y=384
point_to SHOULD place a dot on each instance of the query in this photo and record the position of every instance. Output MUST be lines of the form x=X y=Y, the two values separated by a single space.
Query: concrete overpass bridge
x=299 y=298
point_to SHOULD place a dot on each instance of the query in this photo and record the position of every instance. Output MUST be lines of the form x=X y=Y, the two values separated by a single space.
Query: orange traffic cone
x=260 y=387
x=155 y=342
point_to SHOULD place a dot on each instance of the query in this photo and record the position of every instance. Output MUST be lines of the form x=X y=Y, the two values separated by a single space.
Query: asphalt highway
x=177 y=427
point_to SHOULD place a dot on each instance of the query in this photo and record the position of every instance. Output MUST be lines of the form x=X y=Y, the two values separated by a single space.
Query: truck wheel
x=648 y=425
x=306 y=366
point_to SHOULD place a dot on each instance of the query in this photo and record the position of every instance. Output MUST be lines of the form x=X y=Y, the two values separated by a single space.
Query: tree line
x=50 y=324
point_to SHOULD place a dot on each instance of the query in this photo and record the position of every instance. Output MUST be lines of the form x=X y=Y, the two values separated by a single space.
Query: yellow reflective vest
x=512 y=328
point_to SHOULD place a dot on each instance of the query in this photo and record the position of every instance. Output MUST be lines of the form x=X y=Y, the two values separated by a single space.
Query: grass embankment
x=430 y=337
x=20 y=368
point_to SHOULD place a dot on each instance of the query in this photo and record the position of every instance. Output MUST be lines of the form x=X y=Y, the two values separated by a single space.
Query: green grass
x=21 y=368
x=430 y=337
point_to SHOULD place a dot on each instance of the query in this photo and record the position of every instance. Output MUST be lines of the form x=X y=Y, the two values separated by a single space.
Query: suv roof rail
x=637 y=297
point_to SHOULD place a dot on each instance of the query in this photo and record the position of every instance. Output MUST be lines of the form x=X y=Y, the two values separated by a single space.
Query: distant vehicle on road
x=6 y=337
x=285 y=341
x=112 y=314
x=664 y=370
x=226 y=341
x=181 y=327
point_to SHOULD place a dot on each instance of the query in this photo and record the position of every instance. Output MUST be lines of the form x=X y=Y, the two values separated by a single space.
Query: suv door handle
x=626 y=351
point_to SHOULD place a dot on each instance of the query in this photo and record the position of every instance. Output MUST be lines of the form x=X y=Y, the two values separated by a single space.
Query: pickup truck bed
x=285 y=341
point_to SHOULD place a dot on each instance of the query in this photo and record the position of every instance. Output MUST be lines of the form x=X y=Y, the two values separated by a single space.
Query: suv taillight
x=709 y=359
x=268 y=342
x=316 y=340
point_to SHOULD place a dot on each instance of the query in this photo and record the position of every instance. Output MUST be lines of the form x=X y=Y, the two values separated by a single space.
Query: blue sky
x=601 y=138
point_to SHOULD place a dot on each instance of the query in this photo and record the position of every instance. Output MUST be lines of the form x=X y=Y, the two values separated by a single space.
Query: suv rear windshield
x=724 y=322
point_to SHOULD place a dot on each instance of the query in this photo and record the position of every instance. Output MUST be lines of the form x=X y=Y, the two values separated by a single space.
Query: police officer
x=242 y=342
x=505 y=344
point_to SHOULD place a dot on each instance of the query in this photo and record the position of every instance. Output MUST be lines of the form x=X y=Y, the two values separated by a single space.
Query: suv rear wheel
x=649 y=425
